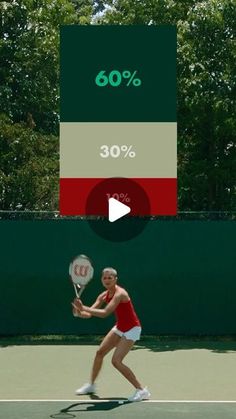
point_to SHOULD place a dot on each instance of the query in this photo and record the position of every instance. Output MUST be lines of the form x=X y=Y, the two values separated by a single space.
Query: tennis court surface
x=187 y=378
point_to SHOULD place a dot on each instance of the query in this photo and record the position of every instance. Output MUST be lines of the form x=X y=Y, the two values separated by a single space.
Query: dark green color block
x=86 y=50
x=180 y=275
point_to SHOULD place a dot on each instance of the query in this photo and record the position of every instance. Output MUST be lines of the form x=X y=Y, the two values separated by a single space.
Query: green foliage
x=29 y=94
x=207 y=126
x=145 y=12
x=29 y=168
x=29 y=50
x=29 y=101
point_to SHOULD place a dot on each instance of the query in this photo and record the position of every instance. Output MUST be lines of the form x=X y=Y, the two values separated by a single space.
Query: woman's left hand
x=77 y=303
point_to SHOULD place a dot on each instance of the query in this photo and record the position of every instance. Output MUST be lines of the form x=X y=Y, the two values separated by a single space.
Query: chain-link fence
x=55 y=215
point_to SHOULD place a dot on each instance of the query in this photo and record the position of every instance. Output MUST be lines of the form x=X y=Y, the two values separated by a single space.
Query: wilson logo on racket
x=81 y=270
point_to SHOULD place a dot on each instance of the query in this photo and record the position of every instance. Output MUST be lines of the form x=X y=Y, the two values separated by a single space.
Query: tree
x=29 y=50
x=29 y=168
x=29 y=101
x=29 y=94
x=207 y=148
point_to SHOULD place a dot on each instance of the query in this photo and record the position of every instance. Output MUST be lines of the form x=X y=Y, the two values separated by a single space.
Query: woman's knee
x=116 y=362
x=100 y=353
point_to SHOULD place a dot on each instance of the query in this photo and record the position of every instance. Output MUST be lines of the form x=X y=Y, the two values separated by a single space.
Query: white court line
x=114 y=400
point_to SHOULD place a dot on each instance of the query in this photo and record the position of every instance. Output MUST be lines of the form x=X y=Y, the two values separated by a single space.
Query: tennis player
x=121 y=337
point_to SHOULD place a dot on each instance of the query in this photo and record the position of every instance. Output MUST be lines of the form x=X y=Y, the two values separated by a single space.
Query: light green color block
x=154 y=145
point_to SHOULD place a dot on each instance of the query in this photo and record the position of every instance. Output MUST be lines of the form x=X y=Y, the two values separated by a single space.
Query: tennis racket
x=81 y=272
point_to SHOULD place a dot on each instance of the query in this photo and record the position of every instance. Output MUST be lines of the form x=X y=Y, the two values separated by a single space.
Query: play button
x=117 y=210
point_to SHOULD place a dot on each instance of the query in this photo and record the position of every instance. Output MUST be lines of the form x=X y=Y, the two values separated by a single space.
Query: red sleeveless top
x=126 y=318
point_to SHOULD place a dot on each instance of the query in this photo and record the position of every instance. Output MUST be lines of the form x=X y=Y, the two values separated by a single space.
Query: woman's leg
x=121 y=351
x=109 y=342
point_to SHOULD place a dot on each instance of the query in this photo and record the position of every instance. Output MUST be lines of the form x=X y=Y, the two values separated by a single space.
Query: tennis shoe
x=139 y=395
x=86 y=389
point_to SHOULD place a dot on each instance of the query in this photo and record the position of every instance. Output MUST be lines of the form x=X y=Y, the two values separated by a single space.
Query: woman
x=122 y=336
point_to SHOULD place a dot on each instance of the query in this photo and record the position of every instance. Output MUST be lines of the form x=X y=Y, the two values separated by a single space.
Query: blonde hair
x=111 y=270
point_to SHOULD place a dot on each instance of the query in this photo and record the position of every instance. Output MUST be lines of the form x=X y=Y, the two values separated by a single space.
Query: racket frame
x=79 y=288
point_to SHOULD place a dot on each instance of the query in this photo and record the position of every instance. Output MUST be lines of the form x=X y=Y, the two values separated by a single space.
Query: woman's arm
x=78 y=312
x=99 y=301
x=96 y=312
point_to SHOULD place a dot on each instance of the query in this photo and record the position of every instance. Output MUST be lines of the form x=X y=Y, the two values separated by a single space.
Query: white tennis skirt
x=132 y=334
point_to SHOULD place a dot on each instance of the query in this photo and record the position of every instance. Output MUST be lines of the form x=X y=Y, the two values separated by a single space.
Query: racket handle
x=78 y=292
x=81 y=290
